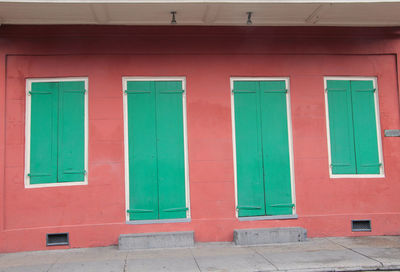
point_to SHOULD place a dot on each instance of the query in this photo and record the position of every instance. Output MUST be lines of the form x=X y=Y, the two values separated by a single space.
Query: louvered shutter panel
x=341 y=127
x=275 y=139
x=170 y=149
x=365 y=133
x=143 y=185
x=250 y=185
x=71 y=131
x=43 y=134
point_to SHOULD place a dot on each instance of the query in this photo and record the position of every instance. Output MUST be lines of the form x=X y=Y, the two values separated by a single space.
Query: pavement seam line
x=258 y=253
x=125 y=262
x=194 y=258
x=382 y=265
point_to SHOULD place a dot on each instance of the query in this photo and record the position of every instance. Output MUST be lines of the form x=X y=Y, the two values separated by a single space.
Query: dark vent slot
x=361 y=225
x=57 y=239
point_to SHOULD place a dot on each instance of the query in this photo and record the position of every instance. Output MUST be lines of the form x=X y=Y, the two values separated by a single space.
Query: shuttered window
x=56 y=143
x=156 y=150
x=263 y=164
x=353 y=134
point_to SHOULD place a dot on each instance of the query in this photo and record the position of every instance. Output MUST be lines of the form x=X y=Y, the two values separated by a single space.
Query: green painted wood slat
x=143 y=184
x=71 y=131
x=352 y=122
x=170 y=149
x=365 y=131
x=275 y=143
x=43 y=134
x=262 y=148
x=250 y=184
x=156 y=147
x=341 y=127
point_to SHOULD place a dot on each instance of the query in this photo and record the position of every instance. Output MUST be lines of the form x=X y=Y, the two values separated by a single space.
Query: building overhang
x=202 y=12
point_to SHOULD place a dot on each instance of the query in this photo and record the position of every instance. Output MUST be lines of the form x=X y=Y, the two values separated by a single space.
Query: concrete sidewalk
x=318 y=254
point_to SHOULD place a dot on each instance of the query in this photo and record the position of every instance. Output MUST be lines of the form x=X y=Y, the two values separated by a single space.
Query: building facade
x=109 y=130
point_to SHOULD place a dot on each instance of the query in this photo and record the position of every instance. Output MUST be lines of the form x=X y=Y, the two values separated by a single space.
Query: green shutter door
x=250 y=185
x=341 y=127
x=365 y=132
x=143 y=187
x=170 y=150
x=43 y=142
x=71 y=131
x=275 y=143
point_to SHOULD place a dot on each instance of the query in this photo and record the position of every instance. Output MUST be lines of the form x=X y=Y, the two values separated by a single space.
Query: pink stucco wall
x=94 y=214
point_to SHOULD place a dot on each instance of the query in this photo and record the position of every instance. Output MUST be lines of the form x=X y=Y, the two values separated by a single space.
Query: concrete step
x=246 y=237
x=156 y=240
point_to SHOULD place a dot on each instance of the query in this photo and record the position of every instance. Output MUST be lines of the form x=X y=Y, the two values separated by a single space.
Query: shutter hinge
x=138 y=211
x=172 y=91
x=242 y=91
x=176 y=209
x=335 y=90
x=75 y=172
x=371 y=165
x=248 y=208
x=276 y=91
x=38 y=92
x=282 y=205
x=38 y=174
x=367 y=90
x=75 y=92
x=339 y=164
x=136 y=91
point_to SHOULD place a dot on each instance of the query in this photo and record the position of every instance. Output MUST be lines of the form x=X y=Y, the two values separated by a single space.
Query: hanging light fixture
x=173 y=20
x=249 y=14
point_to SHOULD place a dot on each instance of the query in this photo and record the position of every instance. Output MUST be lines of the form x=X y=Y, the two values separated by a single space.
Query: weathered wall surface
x=94 y=214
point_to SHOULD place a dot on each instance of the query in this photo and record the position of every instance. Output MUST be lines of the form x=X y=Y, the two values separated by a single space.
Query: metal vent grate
x=57 y=239
x=360 y=225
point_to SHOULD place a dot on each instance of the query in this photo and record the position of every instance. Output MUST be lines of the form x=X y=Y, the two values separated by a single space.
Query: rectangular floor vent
x=360 y=225
x=57 y=239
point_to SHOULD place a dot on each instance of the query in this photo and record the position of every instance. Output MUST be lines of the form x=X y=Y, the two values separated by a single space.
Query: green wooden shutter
x=43 y=138
x=170 y=150
x=250 y=185
x=275 y=143
x=365 y=133
x=143 y=187
x=341 y=127
x=71 y=131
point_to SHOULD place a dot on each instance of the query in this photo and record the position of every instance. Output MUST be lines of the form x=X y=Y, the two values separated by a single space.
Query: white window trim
x=290 y=137
x=29 y=82
x=378 y=127
x=126 y=147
